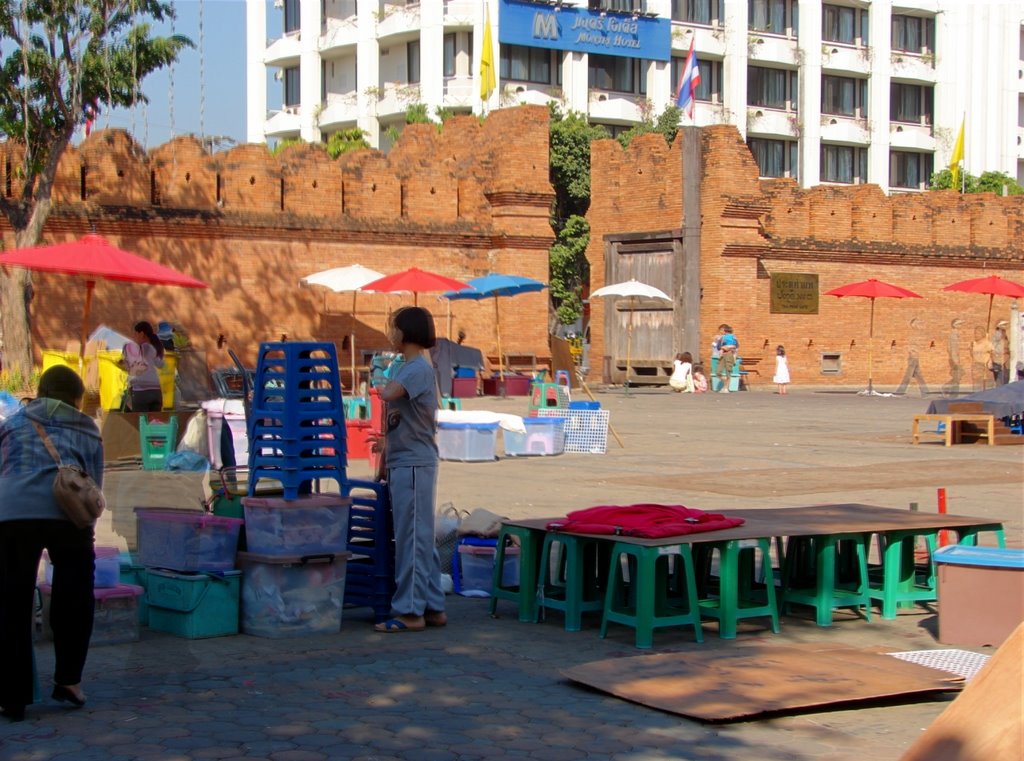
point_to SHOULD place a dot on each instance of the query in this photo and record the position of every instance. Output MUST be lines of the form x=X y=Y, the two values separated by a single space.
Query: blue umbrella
x=493 y=286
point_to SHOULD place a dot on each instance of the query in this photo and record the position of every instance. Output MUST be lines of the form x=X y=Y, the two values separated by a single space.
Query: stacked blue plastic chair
x=370 y=578
x=297 y=420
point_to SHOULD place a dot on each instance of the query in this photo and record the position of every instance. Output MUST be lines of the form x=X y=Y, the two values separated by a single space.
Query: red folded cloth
x=648 y=521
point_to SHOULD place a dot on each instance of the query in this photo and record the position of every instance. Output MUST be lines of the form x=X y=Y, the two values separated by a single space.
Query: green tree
x=345 y=141
x=60 y=57
x=568 y=263
x=571 y=135
x=667 y=124
x=987 y=182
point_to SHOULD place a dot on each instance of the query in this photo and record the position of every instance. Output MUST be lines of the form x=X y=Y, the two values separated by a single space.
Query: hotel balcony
x=844 y=129
x=339 y=35
x=340 y=110
x=284 y=51
x=615 y=107
x=768 y=49
x=398 y=23
x=912 y=67
x=772 y=123
x=917 y=137
x=283 y=123
x=845 y=59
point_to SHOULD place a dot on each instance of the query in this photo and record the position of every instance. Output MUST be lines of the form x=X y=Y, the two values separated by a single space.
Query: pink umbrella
x=872 y=289
x=992 y=286
x=93 y=257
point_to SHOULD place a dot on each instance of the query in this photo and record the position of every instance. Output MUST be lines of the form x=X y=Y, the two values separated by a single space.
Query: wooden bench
x=749 y=365
x=953 y=423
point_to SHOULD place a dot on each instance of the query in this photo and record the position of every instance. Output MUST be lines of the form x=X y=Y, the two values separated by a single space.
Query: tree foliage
x=667 y=125
x=571 y=135
x=986 y=182
x=60 y=58
x=346 y=141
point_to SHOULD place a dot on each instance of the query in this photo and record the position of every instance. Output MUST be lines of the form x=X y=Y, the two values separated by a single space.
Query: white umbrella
x=632 y=290
x=343 y=280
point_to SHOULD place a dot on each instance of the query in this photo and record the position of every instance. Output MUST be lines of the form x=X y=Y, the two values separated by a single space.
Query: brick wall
x=463 y=201
x=751 y=228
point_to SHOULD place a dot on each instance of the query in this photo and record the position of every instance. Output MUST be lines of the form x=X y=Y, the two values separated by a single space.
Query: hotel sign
x=581 y=30
x=794 y=293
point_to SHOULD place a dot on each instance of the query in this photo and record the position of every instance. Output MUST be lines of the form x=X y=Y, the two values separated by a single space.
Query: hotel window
x=908 y=169
x=292 y=93
x=913 y=34
x=844 y=96
x=449 y=55
x=707 y=12
x=412 y=55
x=292 y=20
x=628 y=75
x=844 y=163
x=847 y=26
x=710 y=88
x=912 y=104
x=525 y=64
x=771 y=88
x=775 y=158
x=773 y=16
x=623 y=6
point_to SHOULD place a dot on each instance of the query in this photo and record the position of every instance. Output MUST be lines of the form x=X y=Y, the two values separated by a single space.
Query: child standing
x=682 y=373
x=411 y=457
x=781 y=377
x=729 y=348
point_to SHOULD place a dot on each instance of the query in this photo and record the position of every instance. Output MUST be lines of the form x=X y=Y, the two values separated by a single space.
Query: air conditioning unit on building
x=279 y=75
x=279 y=3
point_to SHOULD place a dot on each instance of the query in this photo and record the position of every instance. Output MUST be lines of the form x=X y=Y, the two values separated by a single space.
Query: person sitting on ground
x=682 y=373
x=700 y=380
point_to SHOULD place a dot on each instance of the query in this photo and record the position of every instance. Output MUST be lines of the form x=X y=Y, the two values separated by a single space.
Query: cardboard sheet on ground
x=750 y=681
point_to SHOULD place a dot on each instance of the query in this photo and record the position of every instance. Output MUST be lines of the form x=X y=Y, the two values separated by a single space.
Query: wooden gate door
x=648 y=258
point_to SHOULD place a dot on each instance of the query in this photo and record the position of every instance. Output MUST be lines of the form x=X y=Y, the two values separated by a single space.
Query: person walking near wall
x=730 y=347
x=1000 y=353
x=913 y=371
x=981 y=359
x=31 y=521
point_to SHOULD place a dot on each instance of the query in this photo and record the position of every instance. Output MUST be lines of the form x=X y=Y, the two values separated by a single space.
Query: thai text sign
x=794 y=293
x=568 y=27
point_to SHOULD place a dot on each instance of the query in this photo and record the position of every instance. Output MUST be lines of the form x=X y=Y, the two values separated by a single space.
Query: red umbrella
x=93 y=257
x=872 y=289
x=415 y=281
x=993 y=286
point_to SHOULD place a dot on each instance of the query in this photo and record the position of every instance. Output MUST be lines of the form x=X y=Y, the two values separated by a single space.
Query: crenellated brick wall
x=751 y=228
x=463 y=201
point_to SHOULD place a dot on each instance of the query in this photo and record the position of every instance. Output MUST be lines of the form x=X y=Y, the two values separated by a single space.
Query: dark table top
x=809 y=520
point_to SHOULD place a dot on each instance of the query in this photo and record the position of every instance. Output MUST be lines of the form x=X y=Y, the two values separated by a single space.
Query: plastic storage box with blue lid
x=467 y=442
x=193 y=605
x=543 y=436
x=981 y=593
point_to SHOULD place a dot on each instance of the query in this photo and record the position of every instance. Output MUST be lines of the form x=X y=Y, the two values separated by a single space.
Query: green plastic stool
x=738 y=595
x=816 y=573
x=524 y=593
x=157 y=441
x=900 y=581
x=571 y=577
x=646 y=603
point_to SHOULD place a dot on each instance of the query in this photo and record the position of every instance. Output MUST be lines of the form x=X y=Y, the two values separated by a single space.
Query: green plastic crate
x=133 y=573
x=193 y=605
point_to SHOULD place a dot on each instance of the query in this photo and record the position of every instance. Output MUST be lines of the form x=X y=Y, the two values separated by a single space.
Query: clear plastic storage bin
x=186 y=540
x=467 y=442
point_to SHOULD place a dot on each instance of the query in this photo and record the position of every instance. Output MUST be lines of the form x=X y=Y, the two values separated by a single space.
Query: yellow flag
x=957 y=157
x=487 y=79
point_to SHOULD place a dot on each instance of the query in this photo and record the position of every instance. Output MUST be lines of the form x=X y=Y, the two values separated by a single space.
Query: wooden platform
x=953 y=422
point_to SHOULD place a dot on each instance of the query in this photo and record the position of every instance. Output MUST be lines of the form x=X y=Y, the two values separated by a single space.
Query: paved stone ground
x=486 y=688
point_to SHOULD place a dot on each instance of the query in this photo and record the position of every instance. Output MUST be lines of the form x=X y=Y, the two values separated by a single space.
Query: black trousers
x=71 y=602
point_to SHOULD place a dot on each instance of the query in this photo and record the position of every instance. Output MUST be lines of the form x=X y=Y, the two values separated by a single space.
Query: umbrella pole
x=629 y=343
x=871 y=346
x=89 y=285
x=988 y=320
x=497 y=334
x=352 y=343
